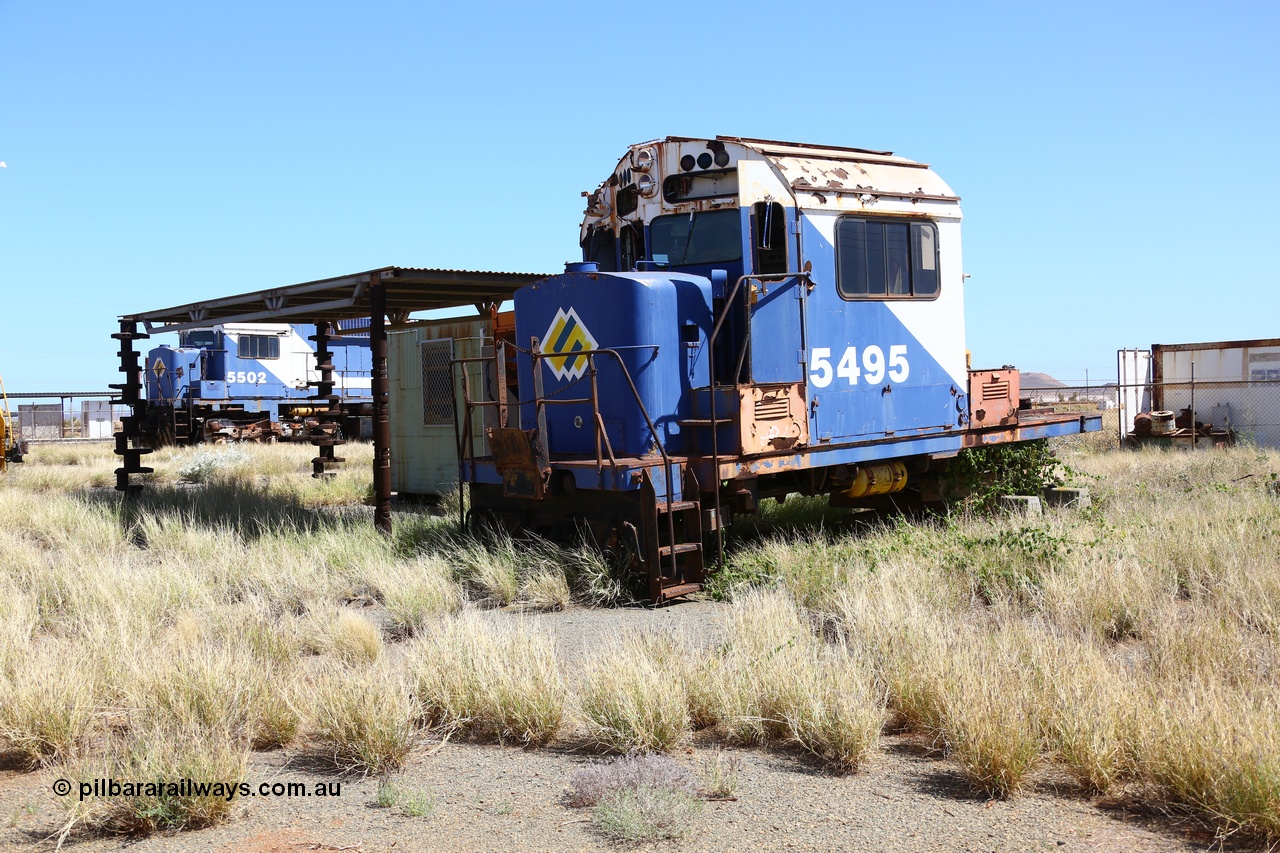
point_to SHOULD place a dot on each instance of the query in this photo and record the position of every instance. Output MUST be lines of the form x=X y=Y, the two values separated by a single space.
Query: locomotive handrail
x=465 y=439
x=463 y=435
x=711 y=375
x=599 y=427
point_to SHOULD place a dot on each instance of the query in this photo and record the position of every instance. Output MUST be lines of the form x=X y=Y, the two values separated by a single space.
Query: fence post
x=1193 y=404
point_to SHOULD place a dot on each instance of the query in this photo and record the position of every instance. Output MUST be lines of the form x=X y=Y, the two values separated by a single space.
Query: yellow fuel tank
x=878 y=478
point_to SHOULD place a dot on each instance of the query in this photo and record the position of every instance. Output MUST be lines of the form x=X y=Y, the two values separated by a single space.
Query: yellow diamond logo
x=566 y=335
x=158 y=369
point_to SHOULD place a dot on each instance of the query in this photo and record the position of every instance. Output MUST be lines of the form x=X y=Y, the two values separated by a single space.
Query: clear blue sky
x=1118 y=161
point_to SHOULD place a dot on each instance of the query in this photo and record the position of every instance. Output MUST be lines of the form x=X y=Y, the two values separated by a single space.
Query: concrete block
x=1022 y=505
x=1067 y=498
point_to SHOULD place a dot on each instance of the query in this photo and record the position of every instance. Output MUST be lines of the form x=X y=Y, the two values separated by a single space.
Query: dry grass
x=488 y=677
x=1216 y=749
x=210 y=680
x=491 y=573
x=343 y=633
x=1135 y=644
x=547 y=589
x=49 y=702
x=988 y=723
x=720 y=774
x=362 y=718
x=415 y=592
x=775 y=681
x=17 y=622
x=532 y=574
x=1089 y=714
x=166 y=751
x=633 y=698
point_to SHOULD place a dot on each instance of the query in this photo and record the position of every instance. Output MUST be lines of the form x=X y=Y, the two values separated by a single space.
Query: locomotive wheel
x=481 y=522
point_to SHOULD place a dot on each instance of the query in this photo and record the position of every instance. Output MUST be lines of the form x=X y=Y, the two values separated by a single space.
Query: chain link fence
x=1224 y=411
x=1210 y=413
x=1074 y=398
x=1200 y=394
x=69 y=419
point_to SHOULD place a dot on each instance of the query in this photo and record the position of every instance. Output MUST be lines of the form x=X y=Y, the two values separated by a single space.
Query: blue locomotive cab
x=842 y=321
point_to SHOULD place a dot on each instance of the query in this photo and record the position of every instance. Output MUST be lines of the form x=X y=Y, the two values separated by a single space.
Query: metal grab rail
x=603 y=445
x=539 y=402
x=711 y=375
x=463 y=437
x=465 y=440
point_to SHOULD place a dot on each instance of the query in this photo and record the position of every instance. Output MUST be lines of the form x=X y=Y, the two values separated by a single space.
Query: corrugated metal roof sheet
x=408 y=289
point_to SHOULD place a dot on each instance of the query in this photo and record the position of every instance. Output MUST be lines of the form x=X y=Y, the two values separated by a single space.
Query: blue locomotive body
x=250 y=381
x=648 y=319
x=751 y=318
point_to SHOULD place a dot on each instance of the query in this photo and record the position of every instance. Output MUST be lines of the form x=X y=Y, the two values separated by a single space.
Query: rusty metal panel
x=515 y=455
x=993 y=397
x=772 y=417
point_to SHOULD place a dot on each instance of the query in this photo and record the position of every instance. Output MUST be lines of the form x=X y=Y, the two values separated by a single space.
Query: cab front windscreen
x=707 y=237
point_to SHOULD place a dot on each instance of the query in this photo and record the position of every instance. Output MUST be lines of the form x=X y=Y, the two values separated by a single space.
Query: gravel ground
x=491 y=797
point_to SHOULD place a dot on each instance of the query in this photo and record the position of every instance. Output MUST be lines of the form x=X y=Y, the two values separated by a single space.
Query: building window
x=258 y=346
x=437 y=382
x=886 y=258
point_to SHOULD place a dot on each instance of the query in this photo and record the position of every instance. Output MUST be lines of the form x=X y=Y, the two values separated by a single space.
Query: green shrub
x=203 y=463
x=980 y=476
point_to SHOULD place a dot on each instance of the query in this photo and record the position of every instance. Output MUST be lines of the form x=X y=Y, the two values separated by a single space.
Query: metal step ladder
x=677 y=567
x=181 y=425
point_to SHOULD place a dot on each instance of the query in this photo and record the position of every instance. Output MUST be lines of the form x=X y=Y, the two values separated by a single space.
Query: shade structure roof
x=407 y=289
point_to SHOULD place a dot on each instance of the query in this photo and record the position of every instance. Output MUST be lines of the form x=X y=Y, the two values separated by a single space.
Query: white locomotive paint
x=295 y=368
x=278 y=369
x=937 y=324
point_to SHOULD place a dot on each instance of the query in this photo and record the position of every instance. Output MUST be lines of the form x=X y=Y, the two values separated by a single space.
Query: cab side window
x=769 y=237
x=258 y=346
x=598 y=246
x=886 y=258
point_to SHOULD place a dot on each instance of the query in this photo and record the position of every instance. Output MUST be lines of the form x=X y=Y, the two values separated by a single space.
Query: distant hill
x=1039 y=380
